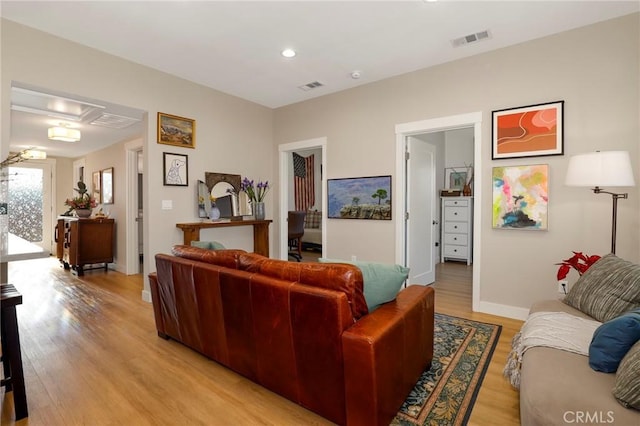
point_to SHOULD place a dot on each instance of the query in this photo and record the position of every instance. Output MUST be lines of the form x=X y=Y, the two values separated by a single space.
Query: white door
x=421 y=223
x=30 y=208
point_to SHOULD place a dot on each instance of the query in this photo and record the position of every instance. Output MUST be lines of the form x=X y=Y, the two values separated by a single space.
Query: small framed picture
x=455 y=177
x=528 y=131
x=175 y=169
x=177 y=131
x=96 y=193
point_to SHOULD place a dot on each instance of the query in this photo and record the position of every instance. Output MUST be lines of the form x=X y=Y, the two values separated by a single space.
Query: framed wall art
x=107 y=185
x=96 y=183
x=359 y=198
x=528 y=131
x=177 y=131
x=175 y=169
x=455 y=177
x=520 y=197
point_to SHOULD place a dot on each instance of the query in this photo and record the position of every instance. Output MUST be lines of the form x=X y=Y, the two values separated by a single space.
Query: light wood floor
x=92 y=357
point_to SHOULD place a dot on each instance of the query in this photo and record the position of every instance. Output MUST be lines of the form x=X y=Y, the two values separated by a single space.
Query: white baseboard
x=508 y=311
x=116 y=267
x=146 y=296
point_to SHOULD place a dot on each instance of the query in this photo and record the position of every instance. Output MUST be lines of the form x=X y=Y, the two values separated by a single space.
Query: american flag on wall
x=303 y=184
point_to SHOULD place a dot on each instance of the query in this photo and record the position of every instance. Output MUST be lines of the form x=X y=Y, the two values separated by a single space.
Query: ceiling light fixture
x=64 y=134
x=33 y=154
x=288 y=53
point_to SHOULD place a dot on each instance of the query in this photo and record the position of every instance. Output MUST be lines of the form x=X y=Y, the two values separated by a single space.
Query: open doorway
x=310 y=158
x=134 y=207
x=71 y=129
x=30 y=198
x=429 y=218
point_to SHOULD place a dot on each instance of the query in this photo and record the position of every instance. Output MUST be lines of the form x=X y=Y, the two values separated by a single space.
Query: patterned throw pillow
x=313 y=219
x=609 y=288
x=627 y=386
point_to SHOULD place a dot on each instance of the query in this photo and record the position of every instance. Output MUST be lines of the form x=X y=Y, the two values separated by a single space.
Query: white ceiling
x=34 y=110
x=234 y=46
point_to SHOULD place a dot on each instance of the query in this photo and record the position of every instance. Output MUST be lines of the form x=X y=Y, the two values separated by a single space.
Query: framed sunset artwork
x=528 y=131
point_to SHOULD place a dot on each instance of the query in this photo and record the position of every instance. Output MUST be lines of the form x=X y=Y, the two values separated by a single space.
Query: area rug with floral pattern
x=445 y=394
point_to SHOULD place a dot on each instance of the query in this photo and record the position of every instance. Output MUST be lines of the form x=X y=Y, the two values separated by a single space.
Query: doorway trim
x=403 y=130
x=285 y=150
x=131 y=188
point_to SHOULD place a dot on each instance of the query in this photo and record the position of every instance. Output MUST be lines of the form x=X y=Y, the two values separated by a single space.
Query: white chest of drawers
x=457 y=229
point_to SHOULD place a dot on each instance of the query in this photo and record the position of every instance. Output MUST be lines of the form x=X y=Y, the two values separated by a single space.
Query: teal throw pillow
x=209 y=245
x=381 y=281
x=612 y=340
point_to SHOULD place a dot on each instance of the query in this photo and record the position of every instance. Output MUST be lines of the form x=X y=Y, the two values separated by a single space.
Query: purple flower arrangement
x=255 y=193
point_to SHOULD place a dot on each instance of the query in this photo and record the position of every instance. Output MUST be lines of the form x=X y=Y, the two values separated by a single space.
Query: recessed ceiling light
x=288 y=53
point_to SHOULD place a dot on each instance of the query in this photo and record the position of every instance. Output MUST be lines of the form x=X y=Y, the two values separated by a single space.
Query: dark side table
x=11 y=353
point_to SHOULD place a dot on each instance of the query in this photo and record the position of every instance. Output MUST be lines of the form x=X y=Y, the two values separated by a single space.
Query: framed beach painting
x=359 y=198
x=528 y=131
x=177 y=131
x=520 y=197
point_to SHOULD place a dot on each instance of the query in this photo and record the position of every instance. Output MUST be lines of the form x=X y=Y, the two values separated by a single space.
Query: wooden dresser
x=457 y=228
x=83 y=242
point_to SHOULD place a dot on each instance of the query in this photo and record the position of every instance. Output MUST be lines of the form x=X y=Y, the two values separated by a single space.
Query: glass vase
x=258 y=211
x=214 y=214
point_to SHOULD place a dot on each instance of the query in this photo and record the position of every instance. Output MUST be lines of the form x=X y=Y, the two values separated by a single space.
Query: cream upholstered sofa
x=558 y=387
x=312 y=238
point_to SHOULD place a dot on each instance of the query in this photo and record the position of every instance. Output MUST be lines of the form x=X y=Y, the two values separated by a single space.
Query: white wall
x=112 y=156
x=593 y=69
x=459 y=148
x=232 y=135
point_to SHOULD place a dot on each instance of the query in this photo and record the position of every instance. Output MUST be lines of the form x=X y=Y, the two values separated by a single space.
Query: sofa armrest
x=155 y=300
x=385 y=353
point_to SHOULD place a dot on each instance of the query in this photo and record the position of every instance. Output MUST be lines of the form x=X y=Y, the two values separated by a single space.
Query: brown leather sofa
x=301 y=330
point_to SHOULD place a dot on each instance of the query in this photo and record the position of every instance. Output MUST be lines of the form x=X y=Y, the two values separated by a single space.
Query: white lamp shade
x=600 y=168
x=64 y=134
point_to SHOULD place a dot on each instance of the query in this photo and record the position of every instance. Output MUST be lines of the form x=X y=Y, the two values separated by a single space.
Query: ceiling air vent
x=114 y=121
x=310 y=86
x=471 y=38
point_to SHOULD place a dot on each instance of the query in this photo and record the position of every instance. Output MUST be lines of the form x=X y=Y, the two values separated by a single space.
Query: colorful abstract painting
x=520 y=197
x=534 y=130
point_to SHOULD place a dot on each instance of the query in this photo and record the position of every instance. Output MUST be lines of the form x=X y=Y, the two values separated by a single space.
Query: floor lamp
x=602 y=168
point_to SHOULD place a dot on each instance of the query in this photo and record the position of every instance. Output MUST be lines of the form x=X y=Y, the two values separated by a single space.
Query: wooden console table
x=260 y=232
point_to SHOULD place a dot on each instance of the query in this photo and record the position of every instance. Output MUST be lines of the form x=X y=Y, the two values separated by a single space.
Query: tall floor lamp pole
x=614 y=216
x=602 y=168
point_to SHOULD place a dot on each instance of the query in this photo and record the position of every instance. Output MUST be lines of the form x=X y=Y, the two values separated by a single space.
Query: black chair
x=296 y=231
